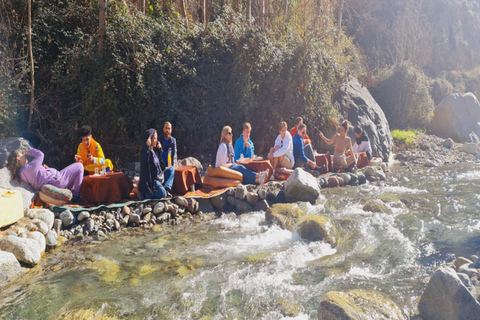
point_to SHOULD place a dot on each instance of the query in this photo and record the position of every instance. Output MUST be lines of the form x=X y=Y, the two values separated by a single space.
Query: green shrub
x=403 y=92
x=441 y=88
x=405 y=137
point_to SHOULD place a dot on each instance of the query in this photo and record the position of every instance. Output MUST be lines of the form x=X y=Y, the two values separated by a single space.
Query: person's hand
x=78 y=158
x=246 y=144
x=149 y=141
x=270 y=156
x=45 y=166
x=159 y=145
x=320 y=133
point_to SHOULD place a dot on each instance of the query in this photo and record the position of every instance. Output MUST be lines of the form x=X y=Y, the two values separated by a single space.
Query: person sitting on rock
x=156 y=181
x=301 y=160
x=342 y=142
x=307 y=143
x=281 y=154
x=362 y=144
x=243 y=145
x=226 y=156
x=169 y=145
x=36 y=174
x=90 y=153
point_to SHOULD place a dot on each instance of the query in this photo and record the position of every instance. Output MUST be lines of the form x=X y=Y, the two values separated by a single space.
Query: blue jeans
x=159 y=191
x=248 y=175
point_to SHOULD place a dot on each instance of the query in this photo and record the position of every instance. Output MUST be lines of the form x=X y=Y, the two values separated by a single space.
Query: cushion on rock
x=50 y=200
x=217 y=182
x=56 y=193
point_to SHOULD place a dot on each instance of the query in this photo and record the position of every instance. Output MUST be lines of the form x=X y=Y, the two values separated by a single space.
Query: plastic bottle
x=169 y=158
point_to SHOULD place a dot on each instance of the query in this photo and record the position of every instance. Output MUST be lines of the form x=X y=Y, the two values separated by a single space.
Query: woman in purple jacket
x=36 y=174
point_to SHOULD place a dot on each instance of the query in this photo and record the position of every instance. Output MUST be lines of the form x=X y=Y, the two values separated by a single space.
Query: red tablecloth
x=257 y=165
x=185 y=177
x=324 y=159
x=110 y=188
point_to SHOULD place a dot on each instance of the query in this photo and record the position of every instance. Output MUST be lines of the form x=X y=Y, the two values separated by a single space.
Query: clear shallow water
x=238 y=268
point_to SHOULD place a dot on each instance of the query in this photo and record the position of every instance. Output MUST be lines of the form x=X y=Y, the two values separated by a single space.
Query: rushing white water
x=237 y=267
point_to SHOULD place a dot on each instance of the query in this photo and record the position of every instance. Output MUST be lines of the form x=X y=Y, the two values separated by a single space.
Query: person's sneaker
x=262 y=176
x=320 y=169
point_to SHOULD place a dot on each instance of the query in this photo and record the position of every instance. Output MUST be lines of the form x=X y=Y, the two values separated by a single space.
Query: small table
x=257 y=166
x=109 y=188
x=185 y=177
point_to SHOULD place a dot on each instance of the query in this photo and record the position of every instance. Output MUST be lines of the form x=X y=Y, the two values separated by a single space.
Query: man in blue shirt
x=244 y=145
x=168 y=143
x=301 y=159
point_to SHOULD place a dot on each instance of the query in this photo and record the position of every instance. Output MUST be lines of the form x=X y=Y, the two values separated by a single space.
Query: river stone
x=192 y=205
x=252 y=198
x=332 y=182
x=460 y=261
x=465 y=279
x=146 y=210
x=134 y=219
x=369 y=171
x=241 y=191
x=159 y=208
x=46 y=216
x=51 y=239
x=457 y=117
x=361 y=178
x=205 y=205
x=181 y=201
x=25 y=250
x=262 y=193
x=220 y=202
x=448 y=143
x=101 y=236
x=315 y=227
x=471 y=272
x=57 y=225
x=341 y=183
x=301 y=186
x=361 y=109
x=126 y=210
x=470 y=148
x=353 y=179
x=375 y=205
x=147 y=217
x=446 y=298
x=41 y=226
x=242 y=206
x=357 y=305
x=231 y=191
x=262 y=205
x=83 y=215
x=380 y=175
x=9 y=267
x=67 y=218
x=346 y=177
x=39 y=237
x=231 y=200
x=284 y=214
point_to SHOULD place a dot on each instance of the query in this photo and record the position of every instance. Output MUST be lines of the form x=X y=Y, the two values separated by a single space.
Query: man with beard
x=169 y=145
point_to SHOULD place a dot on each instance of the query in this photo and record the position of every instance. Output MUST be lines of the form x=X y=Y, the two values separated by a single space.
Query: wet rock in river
x=375 y=205
x=51 y=239
x=332 y=182
x=315 y=227
x=361 y=178
x=369 y=171
x=448 y=143
x=126 y=210
x=252 y=198
x=357 y=304
x=285 y=215
x=242 y=206
x=205 y=205
x=446 y=297
x=57 y=225
x=346 y=177
x=301 y=186
x=25 y=250
x=40 y=238
x=261 y=206
x=159 y=207
x=192 y=205
x=134 y=219
x=262 y=193
x=181 y=201
x=9 y=267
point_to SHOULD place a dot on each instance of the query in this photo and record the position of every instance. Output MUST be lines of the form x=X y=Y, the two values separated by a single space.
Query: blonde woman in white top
x=281 y=155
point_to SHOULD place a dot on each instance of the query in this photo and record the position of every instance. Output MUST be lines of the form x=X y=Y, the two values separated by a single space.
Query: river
x=236 y=267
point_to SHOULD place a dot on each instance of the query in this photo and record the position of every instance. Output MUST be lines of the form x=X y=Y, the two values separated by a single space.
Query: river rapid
x=236 y=267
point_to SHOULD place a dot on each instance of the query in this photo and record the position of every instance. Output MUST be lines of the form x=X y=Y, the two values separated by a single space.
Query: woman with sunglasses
x=226 y=156
x=342 y=143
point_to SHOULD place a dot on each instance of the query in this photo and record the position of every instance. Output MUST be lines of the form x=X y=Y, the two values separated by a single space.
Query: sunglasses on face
x=229 y=133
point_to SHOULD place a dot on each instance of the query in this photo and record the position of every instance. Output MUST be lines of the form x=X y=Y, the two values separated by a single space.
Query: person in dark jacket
x=156 y=180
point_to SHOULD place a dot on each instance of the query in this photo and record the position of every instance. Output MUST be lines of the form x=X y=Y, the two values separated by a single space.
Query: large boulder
x=8 y=145
x=25 y=250
x=191 y=161
x=9 y=267
x=447 y=298
x=457 y=116
x=359 y=107
x=301 y=186
x=6 y=182
x=315 y=227
x=356 y=305
x=286 y=215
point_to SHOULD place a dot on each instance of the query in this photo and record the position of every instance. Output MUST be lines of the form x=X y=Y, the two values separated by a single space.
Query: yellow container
x=11 y=207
